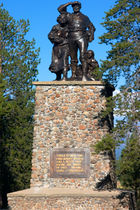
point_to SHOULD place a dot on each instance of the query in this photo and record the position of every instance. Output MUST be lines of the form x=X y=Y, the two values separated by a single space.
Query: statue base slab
x=68 y=199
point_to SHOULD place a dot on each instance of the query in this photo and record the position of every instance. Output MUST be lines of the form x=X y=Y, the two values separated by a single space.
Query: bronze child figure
x=92 y=66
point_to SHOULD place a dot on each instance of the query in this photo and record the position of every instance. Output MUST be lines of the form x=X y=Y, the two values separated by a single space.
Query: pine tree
x=19 y=61
x=122 y=26
x=129 y=165
x=122 y=35
x=5 y=109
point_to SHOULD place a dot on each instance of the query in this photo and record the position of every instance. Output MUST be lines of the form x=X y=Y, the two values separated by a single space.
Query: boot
x=65 y=75
x=58 y=76
x=85 y=72
x=74 y=68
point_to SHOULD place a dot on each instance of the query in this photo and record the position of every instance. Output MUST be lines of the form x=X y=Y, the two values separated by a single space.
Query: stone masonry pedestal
x=66 y=171
x=66 y=117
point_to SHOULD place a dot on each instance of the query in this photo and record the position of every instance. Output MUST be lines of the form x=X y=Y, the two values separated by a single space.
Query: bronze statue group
x=73 y=33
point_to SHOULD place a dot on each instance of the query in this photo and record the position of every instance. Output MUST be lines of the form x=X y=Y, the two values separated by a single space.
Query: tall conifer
x=18 y=62
x=122 y=66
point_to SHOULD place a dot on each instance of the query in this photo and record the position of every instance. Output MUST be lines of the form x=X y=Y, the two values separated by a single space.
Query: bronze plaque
x=70 y=163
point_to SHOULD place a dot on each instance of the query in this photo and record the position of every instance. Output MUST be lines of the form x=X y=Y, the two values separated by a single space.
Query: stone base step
x=70 y=199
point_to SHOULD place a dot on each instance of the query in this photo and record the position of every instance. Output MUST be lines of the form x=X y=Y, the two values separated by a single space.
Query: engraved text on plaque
x=70 y=163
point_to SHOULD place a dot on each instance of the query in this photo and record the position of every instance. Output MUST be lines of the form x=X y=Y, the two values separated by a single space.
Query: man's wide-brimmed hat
x=76 y=3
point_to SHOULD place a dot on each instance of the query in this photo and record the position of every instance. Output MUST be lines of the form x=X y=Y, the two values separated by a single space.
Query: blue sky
x=42 y=16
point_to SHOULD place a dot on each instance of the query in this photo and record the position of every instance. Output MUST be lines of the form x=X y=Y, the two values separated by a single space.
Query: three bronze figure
x=72 y=34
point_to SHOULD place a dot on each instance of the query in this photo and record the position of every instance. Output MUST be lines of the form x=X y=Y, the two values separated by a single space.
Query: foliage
x=107 y=144
x=4 y=111
x=18 y=61
x=97 y=74
x=122 y=26
x=129 y=167
x=122 y=64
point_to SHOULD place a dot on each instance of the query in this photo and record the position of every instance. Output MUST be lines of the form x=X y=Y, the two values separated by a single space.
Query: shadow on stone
x=105 y=116
x=106 y=184
x=126 y=196
x=108 y=89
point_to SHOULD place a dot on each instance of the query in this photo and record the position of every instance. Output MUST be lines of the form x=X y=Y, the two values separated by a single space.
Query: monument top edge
x=61 y=83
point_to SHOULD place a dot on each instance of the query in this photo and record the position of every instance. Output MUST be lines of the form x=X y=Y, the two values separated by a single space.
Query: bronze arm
x=63 y=8
x=91 y=32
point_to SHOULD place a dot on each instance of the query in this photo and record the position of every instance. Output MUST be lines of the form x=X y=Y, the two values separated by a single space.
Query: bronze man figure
x=80 y=33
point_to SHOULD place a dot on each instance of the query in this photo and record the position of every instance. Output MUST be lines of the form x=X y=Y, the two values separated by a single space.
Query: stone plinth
x=65 y=169
x=67 y=117
x=70 y=199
